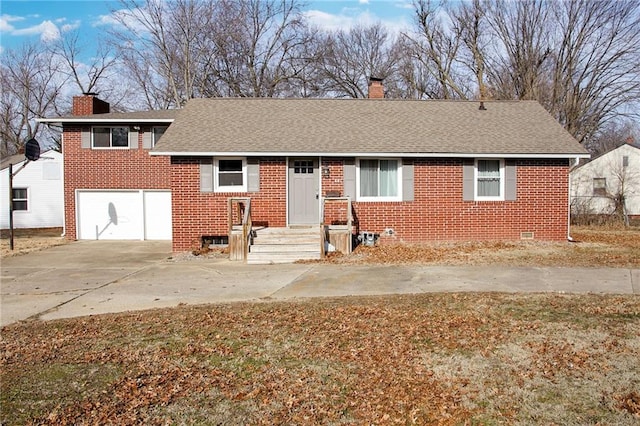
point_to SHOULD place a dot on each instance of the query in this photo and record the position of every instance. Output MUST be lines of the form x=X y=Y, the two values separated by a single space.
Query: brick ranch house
x=414 y=171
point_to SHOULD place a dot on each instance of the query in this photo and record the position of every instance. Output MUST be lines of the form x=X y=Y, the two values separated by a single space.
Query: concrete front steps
x=284 y=245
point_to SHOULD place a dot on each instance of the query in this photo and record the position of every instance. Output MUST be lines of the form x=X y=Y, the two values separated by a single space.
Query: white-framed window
x=230 y=174
x=600 y=186
x=110 y=137
x=156 y=134
x=379 y=179
x=20 y=199
x=489 y=180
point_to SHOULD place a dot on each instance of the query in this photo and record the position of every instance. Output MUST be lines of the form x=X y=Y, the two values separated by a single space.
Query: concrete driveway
x=96 y=277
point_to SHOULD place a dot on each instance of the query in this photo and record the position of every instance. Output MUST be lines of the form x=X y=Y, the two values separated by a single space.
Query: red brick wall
x=88 y=105
x=86 y=168
x=198 y=213
x=436 y=214
x=439 y=214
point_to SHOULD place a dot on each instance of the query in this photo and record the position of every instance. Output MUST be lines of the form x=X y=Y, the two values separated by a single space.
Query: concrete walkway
x=96 y=277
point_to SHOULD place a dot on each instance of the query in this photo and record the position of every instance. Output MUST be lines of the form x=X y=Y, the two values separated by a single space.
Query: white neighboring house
x=599 y=186
x=37 y=191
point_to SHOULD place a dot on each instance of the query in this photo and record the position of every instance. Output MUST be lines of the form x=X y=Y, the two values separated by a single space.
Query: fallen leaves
x=593 y=247
x=630 y=402
x=413 y=359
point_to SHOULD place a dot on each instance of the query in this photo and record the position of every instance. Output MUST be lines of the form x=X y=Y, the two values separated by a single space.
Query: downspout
x=64 y=209
x=576 y=161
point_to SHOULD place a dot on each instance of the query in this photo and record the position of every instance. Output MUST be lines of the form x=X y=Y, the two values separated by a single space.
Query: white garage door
x=157 y=208
x=124 y=215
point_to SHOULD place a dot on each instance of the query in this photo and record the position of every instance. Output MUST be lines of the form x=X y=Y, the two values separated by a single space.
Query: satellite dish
x=32 y=150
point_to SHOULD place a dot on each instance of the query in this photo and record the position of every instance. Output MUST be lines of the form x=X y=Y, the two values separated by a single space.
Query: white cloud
x=70 y=27
x=5 y=22
x=329 y=21
x=404 y=4
x=47 y=30
x=130 y=17
x=350 y=17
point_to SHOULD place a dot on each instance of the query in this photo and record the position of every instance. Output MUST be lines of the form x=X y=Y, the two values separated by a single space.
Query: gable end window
x=489 y=180
x=379 y=180
x=20 y=199
x=110 y=137
x=230 y=174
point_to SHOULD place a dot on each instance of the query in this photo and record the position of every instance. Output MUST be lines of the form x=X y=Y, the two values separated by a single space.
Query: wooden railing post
x=341 y=233
x=239 y=241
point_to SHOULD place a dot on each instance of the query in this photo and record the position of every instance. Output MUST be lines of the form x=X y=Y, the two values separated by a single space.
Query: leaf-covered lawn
x=411 y=359
x=592 y=247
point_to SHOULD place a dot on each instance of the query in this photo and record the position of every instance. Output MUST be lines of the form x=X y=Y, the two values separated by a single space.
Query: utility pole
x=11 y=206
x=32 y=153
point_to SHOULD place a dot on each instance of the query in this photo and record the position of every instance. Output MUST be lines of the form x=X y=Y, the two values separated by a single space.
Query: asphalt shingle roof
x=348 y=126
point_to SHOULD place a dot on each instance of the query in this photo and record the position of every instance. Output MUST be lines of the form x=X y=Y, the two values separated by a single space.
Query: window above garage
x=110 y=137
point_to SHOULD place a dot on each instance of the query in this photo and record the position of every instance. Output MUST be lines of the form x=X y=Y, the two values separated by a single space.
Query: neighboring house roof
x=623 y=149
x=19 y=158
x=13 y=159
x=164 y=115
x=335 y=127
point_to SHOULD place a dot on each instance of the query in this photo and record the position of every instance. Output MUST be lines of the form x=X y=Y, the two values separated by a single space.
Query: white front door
x=304 y=191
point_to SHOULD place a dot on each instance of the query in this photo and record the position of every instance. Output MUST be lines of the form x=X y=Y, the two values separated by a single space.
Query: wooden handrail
x=349 y=223
x=244 y=212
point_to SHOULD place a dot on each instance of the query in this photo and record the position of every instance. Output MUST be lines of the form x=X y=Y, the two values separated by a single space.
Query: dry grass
x=592 y=247
x=30 y=240
x=442 y=359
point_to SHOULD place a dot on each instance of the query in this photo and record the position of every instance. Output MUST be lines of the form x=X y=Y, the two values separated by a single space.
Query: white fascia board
x=104 y=120
x=368 y=154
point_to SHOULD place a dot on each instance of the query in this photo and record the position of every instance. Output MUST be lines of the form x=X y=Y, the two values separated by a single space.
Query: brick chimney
x=376 y=88
x=89 y=104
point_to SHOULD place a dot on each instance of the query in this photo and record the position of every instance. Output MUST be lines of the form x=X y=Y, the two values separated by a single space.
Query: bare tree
x=31 y=85
x=522 y=30
x=258 y=48
x=469 y=20
x=160 y=47
x=612 y=135
x=351 y=57
x=86 y=76
x=435 y=48
x=597 y=63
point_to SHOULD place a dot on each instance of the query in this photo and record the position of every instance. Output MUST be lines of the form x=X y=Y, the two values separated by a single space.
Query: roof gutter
x=94 y=120
x=370 y=154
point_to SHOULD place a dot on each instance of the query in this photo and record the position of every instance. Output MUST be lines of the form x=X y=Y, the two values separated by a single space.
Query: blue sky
x=27 y=20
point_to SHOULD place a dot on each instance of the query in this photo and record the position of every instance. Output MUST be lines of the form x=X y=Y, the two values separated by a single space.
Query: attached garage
x=123 y=215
